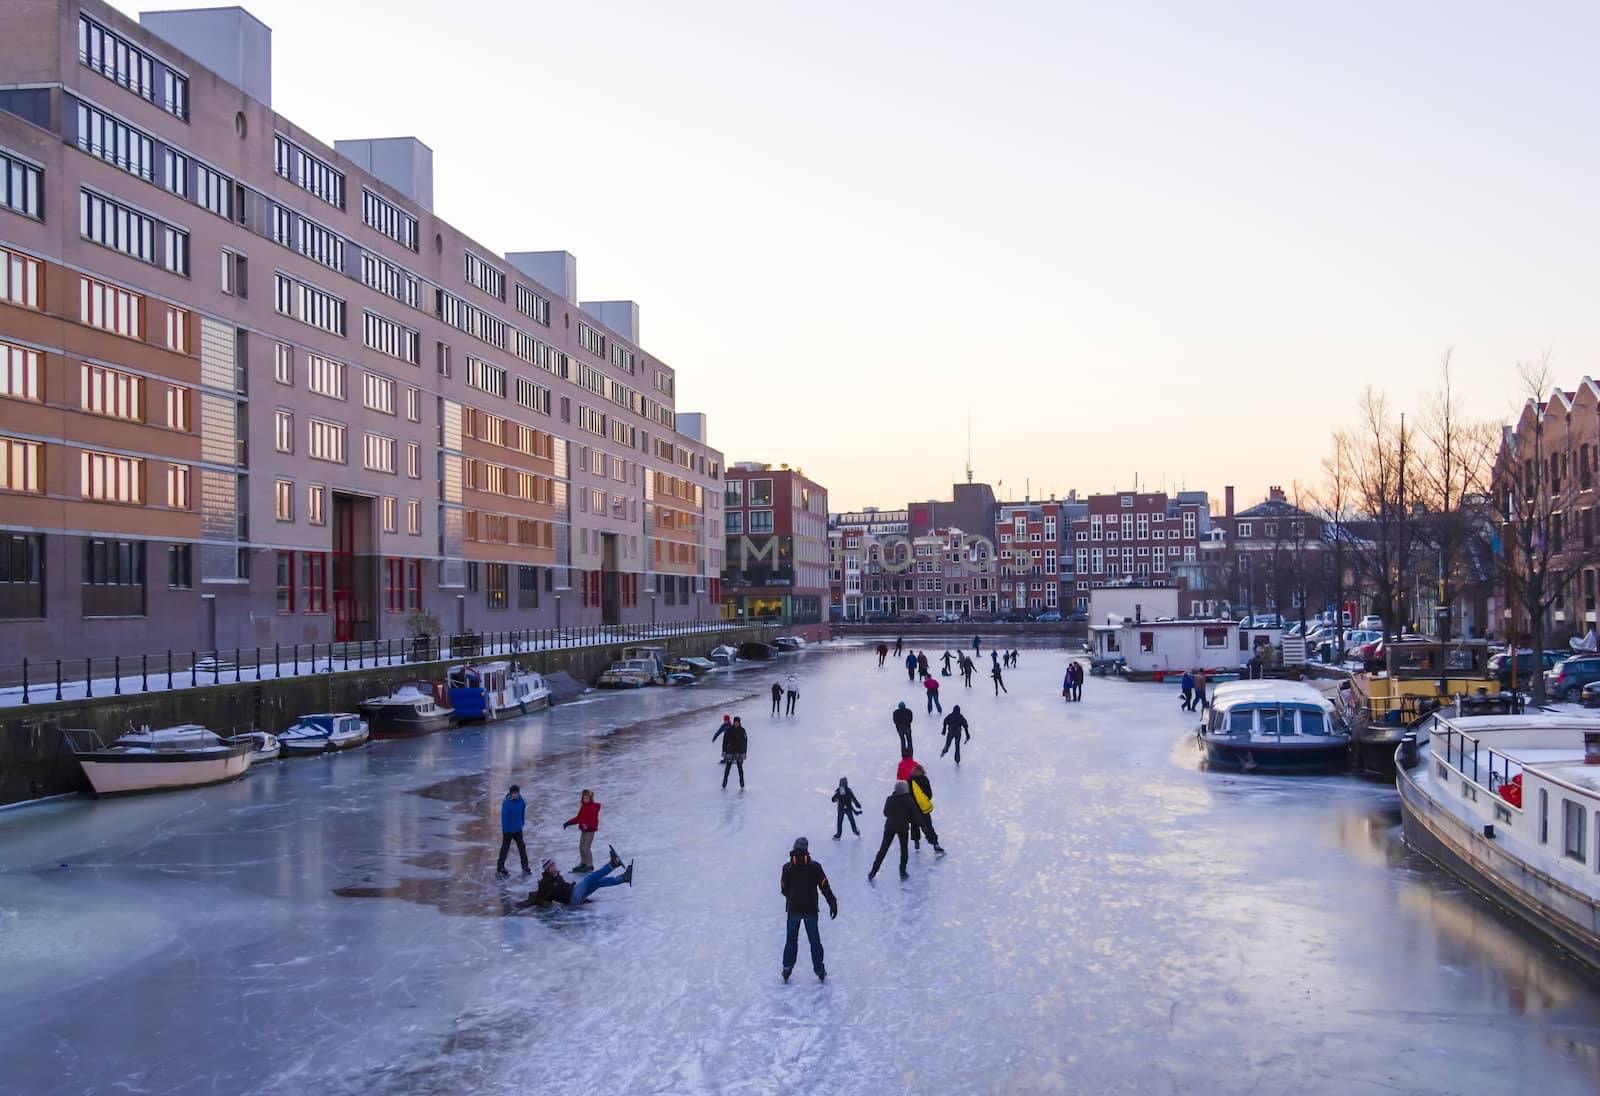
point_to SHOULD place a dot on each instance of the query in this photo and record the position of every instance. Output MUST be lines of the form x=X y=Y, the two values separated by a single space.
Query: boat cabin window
x=1215 y=637
x=1544 y=817
x=1240 y=721
x=1271 y=718
x=1313 y=723
x=1575 y=831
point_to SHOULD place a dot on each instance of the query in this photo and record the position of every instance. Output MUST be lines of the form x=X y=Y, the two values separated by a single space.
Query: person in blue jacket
x=513 y=808
x=911 y=667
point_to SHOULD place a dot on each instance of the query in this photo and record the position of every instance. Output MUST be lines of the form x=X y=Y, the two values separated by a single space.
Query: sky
x=1170 y=241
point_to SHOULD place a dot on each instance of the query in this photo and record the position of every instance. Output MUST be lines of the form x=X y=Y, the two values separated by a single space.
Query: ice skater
x=902 y=726
x=777 y=698
x=922 y=664
x=883 y=652
x=922 y=810
x=945 y=672
x=999 y=679
x=1077 y=681
x=977 y=644
x=899 y=646
x=588 y=822
x=1200 y=701
x=967 y=668
x=553 y=889
x=1066 y=684
x=791 y=691
x=848 y=807
x=735 y=741
x=955 y=725
x=931 y=685
x=513 y=809
x=801 y=880
x=897 y=810
x=911 y=667
x=902 y=771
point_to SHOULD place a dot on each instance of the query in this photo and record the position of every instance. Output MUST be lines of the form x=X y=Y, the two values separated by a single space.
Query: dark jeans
x=883 y=850
x=727 y=766
x=905 y=739
x=791 y=942
x=952 y=740
x=921 y=823
x=792 y=698
x=505 y=847
x=592 y=882
x=777 y=702
x=999 y=685
x=838 y=826
x=911 y=673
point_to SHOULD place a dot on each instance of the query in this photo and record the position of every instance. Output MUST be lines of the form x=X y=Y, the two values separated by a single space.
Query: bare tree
x=1338 y=518
x=1378 y=459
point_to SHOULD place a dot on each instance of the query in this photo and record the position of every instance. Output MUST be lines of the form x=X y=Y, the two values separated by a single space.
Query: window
x=112 y=225
x=413 y=404
x=174 y=93
x=622 y=357
x=761 y=521
x=107 y=477
x=733 y=521
x=177 y=330
x=111 y=392
x=314 y=580
x=591 y=420
x=113 y=578
x=308 y=304
x=414 y=460
x=19 y=279
x=489 y=378
x=325 y=376
x=307 y=172
x=283 y=500
x=180 y=566
x=535 y=397
x=486 y=277
x=19 y=465
x=116 y=142
x=116 y=59
x=316 y=495
x=230 y=273
x=378 y=393
x=380 y=454
x=761 y=492
x=387 y=508
x=473 y=320
x=532 y=305
x=20 y=184
x=1244 y=530
x=283 y=363
x=327 y=441
x=1574 y=831
x=19 y=372
x=285 y=582
x=283 y=431
x=389 y=219
x=178 y=408
x=382 y=275
x=414 y=517
x=388 y=337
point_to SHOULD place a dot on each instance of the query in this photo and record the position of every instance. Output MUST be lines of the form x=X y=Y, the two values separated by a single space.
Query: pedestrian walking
x=931 y=685
x=902 y=726
x=848 y=807
x=801 y=880
x=922 y=814
x=999 y=680
x=777 y=697
x=1186 y=687
x=735 y=741
x=896 y=823
x=911 y=667
x=1200 y=701
x=955 y=725
x=883 y=652
x=513 y=809
x=791 y=690
x=588 y=822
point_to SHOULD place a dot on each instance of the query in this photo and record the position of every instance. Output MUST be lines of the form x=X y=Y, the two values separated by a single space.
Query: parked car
x=1016 y=618
x=1261 y=620
x=1078 y=617
x=1372 y=622
x=1048 y=616
x=1357 y=638
x=948 y=618
x=1568 y=678
x=1591 y=695
x=1528 y=664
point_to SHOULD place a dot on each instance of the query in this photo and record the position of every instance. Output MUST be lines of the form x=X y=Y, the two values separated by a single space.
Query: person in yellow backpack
x=922 y=799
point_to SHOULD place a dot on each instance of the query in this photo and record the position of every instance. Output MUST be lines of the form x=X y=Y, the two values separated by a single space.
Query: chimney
x=1227 y=500
x=1276 y=494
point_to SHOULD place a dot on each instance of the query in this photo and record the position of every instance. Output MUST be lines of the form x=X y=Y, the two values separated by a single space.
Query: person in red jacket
x=907 y=763
x=588 y=822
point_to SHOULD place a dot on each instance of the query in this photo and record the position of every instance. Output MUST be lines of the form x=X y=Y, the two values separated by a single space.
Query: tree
x=1337 y=518
x=1376 y=455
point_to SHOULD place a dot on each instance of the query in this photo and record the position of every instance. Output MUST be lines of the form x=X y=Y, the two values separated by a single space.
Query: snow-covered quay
x=1108 y=918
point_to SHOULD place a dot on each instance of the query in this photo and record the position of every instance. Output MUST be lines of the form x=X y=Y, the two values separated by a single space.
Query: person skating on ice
x=848 y=807
x=1066 y=684
x=922 y=664
x=883 y=652
x=777 y=697
x=735 y=741
x=907 y=763
x=902 y=726
x=899 y=646
x=791 y=691
x=955 y=725
x=911 y=667
x=588 y=822
x=897 y=810
x=999 y=680
x=513 y=809
x=1186 y=687
x=945 y=658
x=967 y=668
x=800 y=882
x=1077 y=681
x=554 y=890
x=977 y=644
x=922 y=814
x=930 y=685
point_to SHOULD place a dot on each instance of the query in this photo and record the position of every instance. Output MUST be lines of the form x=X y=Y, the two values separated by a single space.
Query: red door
x=343 y=570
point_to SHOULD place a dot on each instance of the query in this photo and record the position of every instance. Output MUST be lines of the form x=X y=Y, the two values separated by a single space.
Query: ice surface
x=1109 y=918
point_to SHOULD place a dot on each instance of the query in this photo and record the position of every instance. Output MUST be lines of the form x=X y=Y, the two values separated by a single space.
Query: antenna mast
x=969 y=445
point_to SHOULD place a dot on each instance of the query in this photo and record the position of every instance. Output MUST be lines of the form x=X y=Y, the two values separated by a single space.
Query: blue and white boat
x=1273 y=727
x=323 y=732
x=489 y=690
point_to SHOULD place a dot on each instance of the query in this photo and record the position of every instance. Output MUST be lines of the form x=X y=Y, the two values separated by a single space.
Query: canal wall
x=35 y=760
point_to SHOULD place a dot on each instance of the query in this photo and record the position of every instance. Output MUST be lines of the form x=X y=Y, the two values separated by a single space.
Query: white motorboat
x=1510 y=804
x=323 y=732
x=724 y=655
x=789 y=643
x=1273 y=726
x=411 y=708
x=487 y=690
x=263 y=746
x=631 y=673
x=145 y=760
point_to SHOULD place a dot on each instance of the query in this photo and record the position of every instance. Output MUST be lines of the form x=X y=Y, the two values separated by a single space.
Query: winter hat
x=801 y=845
x=547 y=865
x=517 y=788
x=954 y=708
x=901 y=787
x=843 y=782
x=902 y=704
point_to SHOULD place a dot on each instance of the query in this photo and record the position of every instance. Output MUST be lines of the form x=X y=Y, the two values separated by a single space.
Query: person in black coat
x=955 y=725
x=922 y=822
x=800 y=882
x=777 y=697
x=897 y=810
x=848 y=805
x=735 y=741
x=902 y=725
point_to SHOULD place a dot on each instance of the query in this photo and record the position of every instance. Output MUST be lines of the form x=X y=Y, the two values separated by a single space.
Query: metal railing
x=1475 y=762
x=43 y=681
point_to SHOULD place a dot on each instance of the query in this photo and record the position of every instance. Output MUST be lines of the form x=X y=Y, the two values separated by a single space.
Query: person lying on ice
x=554 y=889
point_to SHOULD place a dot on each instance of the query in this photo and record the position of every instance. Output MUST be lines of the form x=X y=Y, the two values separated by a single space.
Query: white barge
x=1511 y=805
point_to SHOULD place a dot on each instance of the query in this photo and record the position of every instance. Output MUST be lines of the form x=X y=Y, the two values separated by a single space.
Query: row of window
x=391 y=338
x=20 y=185
x=308 y=172
x=308 y=304
x=113 y=225
x=119 y=60
x=103 y=477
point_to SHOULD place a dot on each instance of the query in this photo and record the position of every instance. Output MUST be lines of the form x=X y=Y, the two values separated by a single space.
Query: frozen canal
x=1108 y=919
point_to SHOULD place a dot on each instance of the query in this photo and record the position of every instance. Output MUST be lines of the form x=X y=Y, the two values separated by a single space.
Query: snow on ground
x=1109 y=917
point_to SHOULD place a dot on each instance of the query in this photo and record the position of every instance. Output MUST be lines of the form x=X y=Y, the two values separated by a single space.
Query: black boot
x=786 y=972
x=616 y=861
x=627 y=876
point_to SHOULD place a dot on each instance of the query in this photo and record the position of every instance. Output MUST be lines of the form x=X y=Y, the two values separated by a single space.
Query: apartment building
x=1036 y=563
x=254 y=390
x=850 y=535
x=775 y=523
x=1134 y=539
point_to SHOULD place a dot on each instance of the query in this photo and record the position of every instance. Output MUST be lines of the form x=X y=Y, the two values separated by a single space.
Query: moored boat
x=1273 y=726
x=789 y=643
x=723 y=656
x=488 y=690
x=263 y=746
x=630 y=673
x=757 y=652
x=146 y=760
x=323 y=732
x=411 y=708
x=698 y=666
x=1510 y=804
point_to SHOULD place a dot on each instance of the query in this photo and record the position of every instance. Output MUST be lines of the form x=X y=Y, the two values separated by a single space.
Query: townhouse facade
x=850 y=535
x=255 y=390
x=1131 y=539
x=1037 y=568
x=775 y=526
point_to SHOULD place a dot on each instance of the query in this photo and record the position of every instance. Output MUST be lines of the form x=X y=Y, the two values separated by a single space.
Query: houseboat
x=1511 y=806
x=323 y=732
x=1273 y=727
x=631 y=673
x=146 y=760
x=488 y=690
x=411 y=708
x=1419 y=677
x=1156 y=650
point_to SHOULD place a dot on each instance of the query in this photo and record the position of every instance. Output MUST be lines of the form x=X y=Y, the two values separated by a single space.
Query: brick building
x=850 y=534
x=1036 y=569
x=255 y=390
x=1132 y=538
x=775 y=524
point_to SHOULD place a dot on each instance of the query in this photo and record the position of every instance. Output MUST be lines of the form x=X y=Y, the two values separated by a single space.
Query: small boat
x=263 y=746
x=488 y=690
x=146 y=760
x=757 y=652
x=681 y=677
x=1273 y=726
x=698 y=666
x=411 y=708
x=1510 y=804
x=723 y=656
x=630 y=673
x=323 y=732
x=789 y=643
